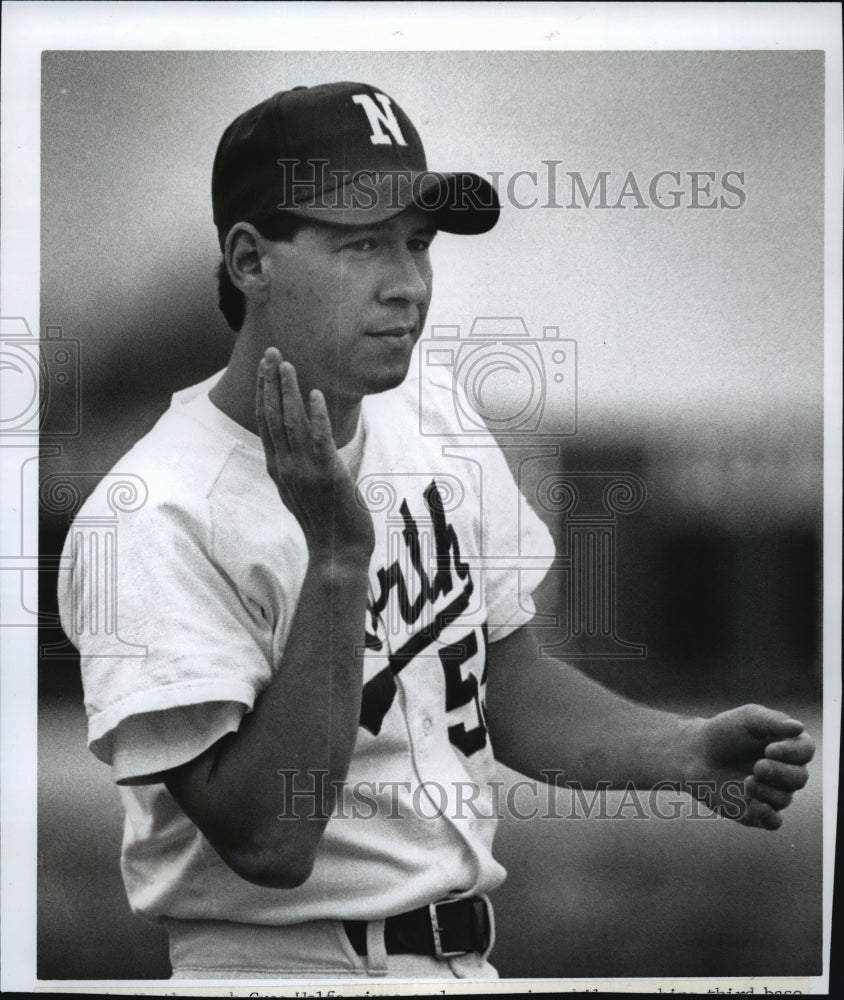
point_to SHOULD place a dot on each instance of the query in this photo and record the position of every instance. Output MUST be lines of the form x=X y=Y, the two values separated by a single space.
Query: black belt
x=446 y=929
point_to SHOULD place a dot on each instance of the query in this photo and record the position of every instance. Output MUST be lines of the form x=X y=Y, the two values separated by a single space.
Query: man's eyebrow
x=344 y=232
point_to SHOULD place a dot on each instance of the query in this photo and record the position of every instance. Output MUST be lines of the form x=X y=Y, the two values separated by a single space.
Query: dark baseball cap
x=342 y=153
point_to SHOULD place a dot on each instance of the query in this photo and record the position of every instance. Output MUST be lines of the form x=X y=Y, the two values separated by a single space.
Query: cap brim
x=462 y=203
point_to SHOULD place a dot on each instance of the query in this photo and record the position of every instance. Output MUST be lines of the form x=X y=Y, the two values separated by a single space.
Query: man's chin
x=385 y=380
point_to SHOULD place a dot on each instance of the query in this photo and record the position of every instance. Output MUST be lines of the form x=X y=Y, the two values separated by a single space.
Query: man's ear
x=244 y=256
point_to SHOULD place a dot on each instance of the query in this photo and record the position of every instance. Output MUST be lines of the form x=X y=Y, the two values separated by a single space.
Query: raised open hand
x=303 y=463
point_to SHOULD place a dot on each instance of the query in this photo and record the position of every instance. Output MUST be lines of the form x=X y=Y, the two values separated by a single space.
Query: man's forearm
x=545 y=715
x=293 y=750
x=550 y=721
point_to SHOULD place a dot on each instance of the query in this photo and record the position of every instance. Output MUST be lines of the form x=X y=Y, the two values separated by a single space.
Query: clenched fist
x=747 y=763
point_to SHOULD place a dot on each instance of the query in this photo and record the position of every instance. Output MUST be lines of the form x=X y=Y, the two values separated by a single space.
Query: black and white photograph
x=422 y=495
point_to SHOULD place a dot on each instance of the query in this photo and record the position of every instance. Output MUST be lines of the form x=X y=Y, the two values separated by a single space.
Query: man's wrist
x=339 y=566
x=671 y=753
x=688 y=750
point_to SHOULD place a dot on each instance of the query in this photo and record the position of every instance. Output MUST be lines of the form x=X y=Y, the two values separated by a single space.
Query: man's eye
x=418 y=245
x=362 y=245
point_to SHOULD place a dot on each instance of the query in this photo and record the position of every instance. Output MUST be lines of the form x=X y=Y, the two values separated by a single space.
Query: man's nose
x=407 y=279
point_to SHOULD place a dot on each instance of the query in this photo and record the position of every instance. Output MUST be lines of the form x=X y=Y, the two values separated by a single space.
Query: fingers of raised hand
x=263 y=423
x=297 y=427
x=321 y=435
x=282 y=422
x=268 y=402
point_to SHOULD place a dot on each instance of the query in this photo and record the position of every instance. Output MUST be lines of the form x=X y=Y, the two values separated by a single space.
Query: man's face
x=347 y=304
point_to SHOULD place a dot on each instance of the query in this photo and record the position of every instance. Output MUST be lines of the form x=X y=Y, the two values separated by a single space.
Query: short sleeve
x=159 y=626
x=142 y=747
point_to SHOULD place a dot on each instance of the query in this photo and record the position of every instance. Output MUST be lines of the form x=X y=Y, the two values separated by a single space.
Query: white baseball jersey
x=207 y=575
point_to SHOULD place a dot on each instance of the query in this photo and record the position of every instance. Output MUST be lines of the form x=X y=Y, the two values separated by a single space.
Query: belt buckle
x=481 y=926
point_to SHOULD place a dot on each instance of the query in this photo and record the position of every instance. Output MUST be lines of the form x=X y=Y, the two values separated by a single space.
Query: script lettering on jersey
x=451 y=577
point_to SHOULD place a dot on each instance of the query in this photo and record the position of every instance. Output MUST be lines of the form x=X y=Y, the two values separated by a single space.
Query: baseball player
x=336 y=646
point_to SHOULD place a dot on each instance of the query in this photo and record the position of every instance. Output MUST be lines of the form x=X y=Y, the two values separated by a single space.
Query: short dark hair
x=231 y=300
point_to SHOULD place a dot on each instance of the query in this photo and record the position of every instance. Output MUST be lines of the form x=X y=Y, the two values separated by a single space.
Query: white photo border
x=31 y=27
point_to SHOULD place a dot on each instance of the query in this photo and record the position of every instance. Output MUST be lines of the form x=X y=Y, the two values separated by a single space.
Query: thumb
x=768 y=723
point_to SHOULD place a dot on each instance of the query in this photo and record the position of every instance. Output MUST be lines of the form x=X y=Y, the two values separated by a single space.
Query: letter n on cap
x=378 y=117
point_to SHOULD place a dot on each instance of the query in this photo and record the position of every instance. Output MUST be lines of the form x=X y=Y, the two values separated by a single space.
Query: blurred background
x=699 y=342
